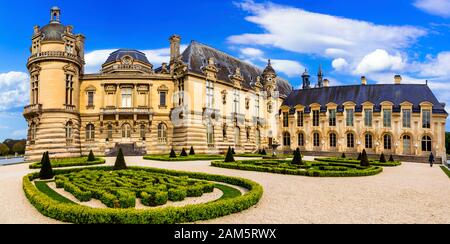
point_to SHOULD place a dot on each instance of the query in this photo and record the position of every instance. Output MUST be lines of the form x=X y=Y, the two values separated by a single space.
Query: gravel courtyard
x=411 y=193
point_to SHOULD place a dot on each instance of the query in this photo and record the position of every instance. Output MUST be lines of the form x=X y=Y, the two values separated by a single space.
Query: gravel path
x=411 y=193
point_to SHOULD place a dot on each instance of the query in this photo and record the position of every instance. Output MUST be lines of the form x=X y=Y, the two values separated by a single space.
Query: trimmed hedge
x=354 y=161
x=169 y=215
x=197 y=157
x=69 y=162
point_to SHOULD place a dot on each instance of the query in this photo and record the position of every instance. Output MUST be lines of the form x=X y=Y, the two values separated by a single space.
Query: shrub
x=297 y=157
x=177 y=194
x=263 y=152
x=91 y=157
x=192 y=152
x=382 y=158
x=195 y=191
x=343 y=155
x=364 y=160
x=172 y=154
x=232 y=151
x=120 y=161
x=68 y=162
x=183 y=153
x=46 y=172
x=391 y=158
x=229 y=158
x=154 y=198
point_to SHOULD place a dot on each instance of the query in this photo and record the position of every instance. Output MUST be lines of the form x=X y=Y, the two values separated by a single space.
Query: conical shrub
x=263 y=152
x=120 y=161
x=297 y=157
x=229 y=157
x=232 y=151
x=382 y=158
x=91 y=157
x=343 y=155
x=359 y=156
x=364 y=160
x=183 y=153
x=46 y=172
x=391 y=158
x=172 y=153
x=192 y=152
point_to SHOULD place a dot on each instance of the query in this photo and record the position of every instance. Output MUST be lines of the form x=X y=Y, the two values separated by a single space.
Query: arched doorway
x=126 y=132
x=406 y=145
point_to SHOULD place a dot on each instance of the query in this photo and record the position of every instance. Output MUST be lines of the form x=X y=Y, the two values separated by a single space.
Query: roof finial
x=55 y=14
x=269 y=63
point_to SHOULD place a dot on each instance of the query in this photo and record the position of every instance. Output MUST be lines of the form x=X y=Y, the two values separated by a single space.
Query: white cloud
x=289 y=67
x=14 y=90
x=437 y=67
x=339 y=64
x=434 y=7
x=380 y=60
x=251 y=52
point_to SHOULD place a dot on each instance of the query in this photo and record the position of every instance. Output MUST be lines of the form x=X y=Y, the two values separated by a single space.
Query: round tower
x=55 y=66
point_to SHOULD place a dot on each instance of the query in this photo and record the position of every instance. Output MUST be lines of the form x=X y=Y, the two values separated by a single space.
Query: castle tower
x=306 y=81
x=269 y=79
x=55 y=65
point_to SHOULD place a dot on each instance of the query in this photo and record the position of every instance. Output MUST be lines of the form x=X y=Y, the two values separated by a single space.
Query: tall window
x=126 y=131
x=181 y=92
x=315 y=117
x=90 y=98
x=349 y=115
x=387 y=115
x=236 y=101
x=69 y=89
x=406 y=114
x=237 y=135
x=316 y=139
x=210 y=134
x=162 y=133
x=285 y=119
x=35 y=89
x=209 y=94
x=301 y=140
x=350 y=140
x=300 y=118
x=258 y=137
x=110 y=131
x=387 y=139
x=368 y=114
x=332 y=140
x=90 y=132
x=224 y=132
x=368 y=141
x=426 y=119
x=69 y=131
x=142 y=132
x=426 y=144
x=162 y=98
x=332 y=117
x=127 y=98
x=32 y=132
x=286 y=139
x=247 y=133
x=257 y=107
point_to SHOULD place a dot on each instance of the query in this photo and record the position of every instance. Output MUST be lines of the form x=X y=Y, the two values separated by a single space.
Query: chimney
x=326 y=83
x=174 y=48
x=363 y=80
x=398 y=79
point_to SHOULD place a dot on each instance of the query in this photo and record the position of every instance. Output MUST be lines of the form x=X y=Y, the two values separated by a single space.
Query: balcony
x=125 y=111
x=58 y=55
x=32 y=110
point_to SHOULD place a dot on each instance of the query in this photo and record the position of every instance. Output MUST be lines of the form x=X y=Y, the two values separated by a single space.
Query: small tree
x=232 y=151
x=229 y=157
x=364 y=160
x=343 y=155
x=263 y=152
x=183 y=153
x=46 y=172
x=359 y=156
x=19 y=147
x=382 y=158
x=172 y=153
x=120 y=161
x=91 y=157
x=297 y=157
x=192 y=152
x=391 y=159
x=4 y=149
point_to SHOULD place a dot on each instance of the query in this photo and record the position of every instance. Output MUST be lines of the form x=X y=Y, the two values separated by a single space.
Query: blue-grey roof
x=53 y=32
x=376 y=94
x=119 y=54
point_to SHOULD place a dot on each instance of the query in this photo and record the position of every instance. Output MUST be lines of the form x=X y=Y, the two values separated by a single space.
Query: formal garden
x=120 y=189
x=70 y=162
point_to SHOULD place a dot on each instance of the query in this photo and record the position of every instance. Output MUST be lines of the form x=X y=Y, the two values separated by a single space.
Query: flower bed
x=197 y=157
x=69 y=162
x=354 y=161
x=315 y=169
x=120 y=197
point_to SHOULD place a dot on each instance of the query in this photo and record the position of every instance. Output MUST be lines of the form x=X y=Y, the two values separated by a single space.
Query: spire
x=320 y=77
x=269 y=69
x=55 y=14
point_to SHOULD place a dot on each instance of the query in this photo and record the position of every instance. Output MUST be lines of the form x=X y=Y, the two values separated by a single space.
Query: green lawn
x=43 y=187
x=228 y=191
x=69 y=162
x=197 y=157
x=446 y=171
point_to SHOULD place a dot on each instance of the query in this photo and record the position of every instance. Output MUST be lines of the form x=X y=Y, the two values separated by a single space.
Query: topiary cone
x=382 y=158
x=183 y=153
x=297 y=157
x=46 y=172
x=91 y=157
x=192 y=152
x=229 y=157
x=391 y=159
x=359 y=156
x=120 y=161
x=172 y=153
x=343 y=155
x=364 y=160
x=232 y=151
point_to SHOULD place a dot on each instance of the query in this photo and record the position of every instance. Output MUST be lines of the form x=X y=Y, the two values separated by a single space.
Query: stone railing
x=113 y=110
x=55 y=54
x=32 y=109
x=127 y=67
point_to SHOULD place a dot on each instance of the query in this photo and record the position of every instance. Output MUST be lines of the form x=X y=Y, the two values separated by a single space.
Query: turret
x=320 y=77
x=269 y=78
x=305 y=79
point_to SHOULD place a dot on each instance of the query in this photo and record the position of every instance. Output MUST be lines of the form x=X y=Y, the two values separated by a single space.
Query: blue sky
x=349 y=38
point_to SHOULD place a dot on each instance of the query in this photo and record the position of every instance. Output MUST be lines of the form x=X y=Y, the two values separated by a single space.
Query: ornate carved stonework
x=70 y=68
x=224 y=96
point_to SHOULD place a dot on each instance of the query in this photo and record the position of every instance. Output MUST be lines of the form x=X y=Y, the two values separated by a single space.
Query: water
x=4 y=161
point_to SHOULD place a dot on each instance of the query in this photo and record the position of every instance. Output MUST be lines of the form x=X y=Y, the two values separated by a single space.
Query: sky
x=349 y=38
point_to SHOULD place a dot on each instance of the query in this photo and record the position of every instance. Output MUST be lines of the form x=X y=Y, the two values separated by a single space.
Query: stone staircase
x=128 y=149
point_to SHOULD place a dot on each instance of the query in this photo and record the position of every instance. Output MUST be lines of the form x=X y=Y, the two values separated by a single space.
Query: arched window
x=69 y=131
x=247 y=133
x=316 y=139
x=301 y=140
x=258 y=137
x=387 y=141
x=110 y=131
x=368 y=141
x=237 y=135
x=90 y=132
x=142 y=132
x=210 y=134
x=350 y=140
x=126 y=131
x=224 y=132
x=426 y=144
x=32 y=132
x=332 y=140
x=286 y=139
x=162 y=133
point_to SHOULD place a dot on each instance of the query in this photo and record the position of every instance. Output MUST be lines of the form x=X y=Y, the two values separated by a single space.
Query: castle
x=210 y=100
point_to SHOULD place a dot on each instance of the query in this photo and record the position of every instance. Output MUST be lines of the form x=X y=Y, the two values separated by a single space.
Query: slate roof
x=197 y=54
x=397 y=94
x=53 y=32
x=119 y=54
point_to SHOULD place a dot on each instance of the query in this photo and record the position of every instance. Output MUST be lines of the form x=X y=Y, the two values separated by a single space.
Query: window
x=387 y=139
x=247 y=133
x=368 y=141
x=258 y=137
x=237 y=135
x=332 y=140
x=126 y=131
x=162 y=133
x=90 y=132
x=286 y=139
x=301 y=140
x=181 y=92
x=210 y=134
x=426 y=119
x=368 y=114
x=257 y=106
x=162 y=98
x=69 y=89
x=315 y=117
x=349 y=113
x=69 y=130
x=224 y=132
x=426 y=144
x=35 y=89
x=300 y=118
x=32 y=132
x=387 y=113
x=110 y=131
x=406 y=118
x=90 y=98
x=285 y=119
x=209 y=94
x=316 y=140
x=236 y=101
x=350 y=140
x=127 y=98
x=142 y=132
x=332 y=117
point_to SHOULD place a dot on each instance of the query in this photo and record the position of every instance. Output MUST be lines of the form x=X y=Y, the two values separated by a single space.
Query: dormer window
x=127 y=60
